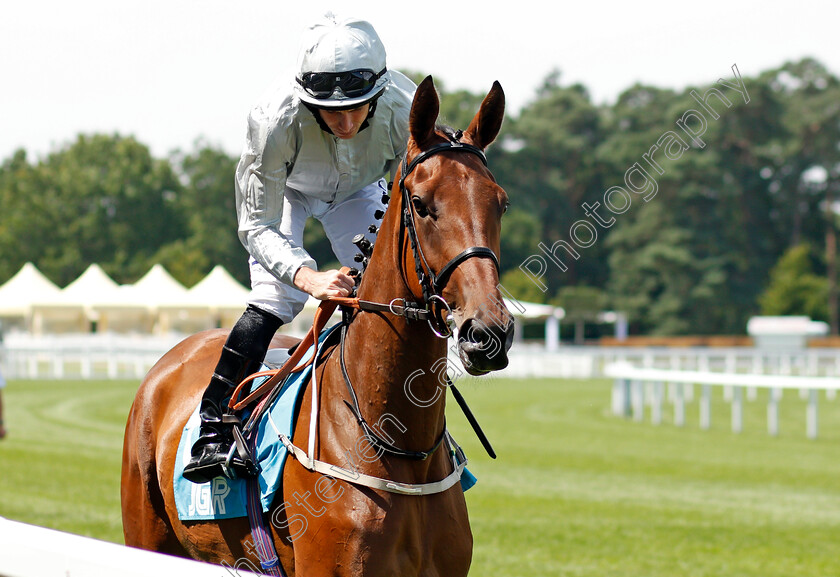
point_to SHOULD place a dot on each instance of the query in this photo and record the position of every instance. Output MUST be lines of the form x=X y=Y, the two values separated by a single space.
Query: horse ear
x=487 y=122
x=424 y=111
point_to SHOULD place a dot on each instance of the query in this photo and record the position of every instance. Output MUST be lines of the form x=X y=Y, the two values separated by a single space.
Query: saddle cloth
x=224 y=498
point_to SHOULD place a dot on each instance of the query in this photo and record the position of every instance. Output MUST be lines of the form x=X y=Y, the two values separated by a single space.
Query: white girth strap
x=377 y=482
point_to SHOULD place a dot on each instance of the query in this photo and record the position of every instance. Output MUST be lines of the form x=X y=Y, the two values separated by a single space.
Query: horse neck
x=395 y=363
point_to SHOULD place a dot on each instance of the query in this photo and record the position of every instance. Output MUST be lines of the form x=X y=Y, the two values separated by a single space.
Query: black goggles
x=352 y=84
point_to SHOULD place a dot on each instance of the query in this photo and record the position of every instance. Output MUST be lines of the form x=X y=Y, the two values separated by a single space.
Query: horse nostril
x=475 y=336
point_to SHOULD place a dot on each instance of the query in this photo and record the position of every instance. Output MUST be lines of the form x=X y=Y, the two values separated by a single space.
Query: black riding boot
x=241 y=356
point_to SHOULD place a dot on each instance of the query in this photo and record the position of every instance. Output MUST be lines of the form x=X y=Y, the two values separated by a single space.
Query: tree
x=581 y=305
x=695 y=257
x=521 y=287
x=794 y=289
x=550 y=169
x=456 y=108
x=20 y=220
x=813 y=118
x=103 y=199
x=206 y=203
x=659 y=279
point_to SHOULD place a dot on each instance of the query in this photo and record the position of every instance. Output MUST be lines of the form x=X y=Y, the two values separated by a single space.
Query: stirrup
x=239 y=462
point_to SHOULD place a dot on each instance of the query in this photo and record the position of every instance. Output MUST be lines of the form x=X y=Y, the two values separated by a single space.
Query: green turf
x=575 y=491
x=61 y=459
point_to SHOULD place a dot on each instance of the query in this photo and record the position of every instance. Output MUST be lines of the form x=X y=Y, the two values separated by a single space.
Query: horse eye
x=419 y=207
x=505 y=207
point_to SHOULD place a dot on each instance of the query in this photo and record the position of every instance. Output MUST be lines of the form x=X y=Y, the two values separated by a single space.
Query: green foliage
x=104 y=200
x=521 y=287
x=794 y=289
x=207 y=204
x=693 y=257
x=521 y=233
x=458 y=107
x=581 y=304
x=658 y=279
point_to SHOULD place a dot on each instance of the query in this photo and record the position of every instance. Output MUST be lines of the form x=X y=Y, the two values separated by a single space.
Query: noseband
x=433 y=284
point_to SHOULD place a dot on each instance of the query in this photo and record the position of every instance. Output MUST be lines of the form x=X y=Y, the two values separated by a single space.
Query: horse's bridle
x=433 y=284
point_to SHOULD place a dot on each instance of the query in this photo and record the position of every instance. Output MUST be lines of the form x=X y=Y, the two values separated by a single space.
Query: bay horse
x=436 y=253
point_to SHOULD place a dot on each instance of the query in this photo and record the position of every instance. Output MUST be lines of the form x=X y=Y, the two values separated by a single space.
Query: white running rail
x=629 y=393
x=30 y=551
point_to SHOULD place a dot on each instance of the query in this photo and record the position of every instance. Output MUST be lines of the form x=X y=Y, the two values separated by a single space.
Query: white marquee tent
x=85 y=305
x=21 y=292
x=156 y=304
x=28 y=286
x=220 y=296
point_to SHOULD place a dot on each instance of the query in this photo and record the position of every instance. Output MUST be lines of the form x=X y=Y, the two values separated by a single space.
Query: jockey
x=318 y=146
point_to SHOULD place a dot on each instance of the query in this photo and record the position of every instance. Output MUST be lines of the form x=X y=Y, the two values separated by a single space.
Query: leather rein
x=432 y=284
x=432 y=311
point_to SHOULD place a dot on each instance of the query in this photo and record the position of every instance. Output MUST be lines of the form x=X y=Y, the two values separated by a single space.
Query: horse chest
x=359 y=531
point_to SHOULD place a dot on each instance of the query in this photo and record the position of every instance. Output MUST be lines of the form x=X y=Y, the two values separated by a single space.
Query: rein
x=372 y=436
x=270 y=388
x=431 y=310
x=432 y=285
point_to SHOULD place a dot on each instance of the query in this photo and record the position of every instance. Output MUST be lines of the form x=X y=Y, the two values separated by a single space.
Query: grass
x=579 y=492
x=575 y=491
x=61 y=459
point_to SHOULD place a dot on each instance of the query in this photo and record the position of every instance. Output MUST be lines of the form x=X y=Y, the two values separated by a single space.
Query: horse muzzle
x=483 y=348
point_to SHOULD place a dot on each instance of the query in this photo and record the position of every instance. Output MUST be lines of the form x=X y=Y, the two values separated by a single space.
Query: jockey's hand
x=321 y=285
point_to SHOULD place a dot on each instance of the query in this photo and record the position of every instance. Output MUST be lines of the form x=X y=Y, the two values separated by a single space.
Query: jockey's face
x=345 y=123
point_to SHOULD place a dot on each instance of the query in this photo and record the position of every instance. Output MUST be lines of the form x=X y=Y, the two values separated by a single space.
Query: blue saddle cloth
x=223 y=498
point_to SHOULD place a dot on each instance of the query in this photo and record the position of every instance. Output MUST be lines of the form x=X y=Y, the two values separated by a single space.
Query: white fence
x=590 y=362
x=110 y=356
x=29 y=551
x=104 y=356
x=636 y=387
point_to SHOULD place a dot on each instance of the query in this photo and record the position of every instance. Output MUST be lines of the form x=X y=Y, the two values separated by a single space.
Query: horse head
x=453 y=203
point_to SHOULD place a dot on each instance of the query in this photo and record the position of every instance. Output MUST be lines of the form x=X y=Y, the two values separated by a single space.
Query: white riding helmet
x=341 y=64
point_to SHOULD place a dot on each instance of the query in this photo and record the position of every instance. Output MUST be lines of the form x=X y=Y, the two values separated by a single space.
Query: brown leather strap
x=322 y=315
